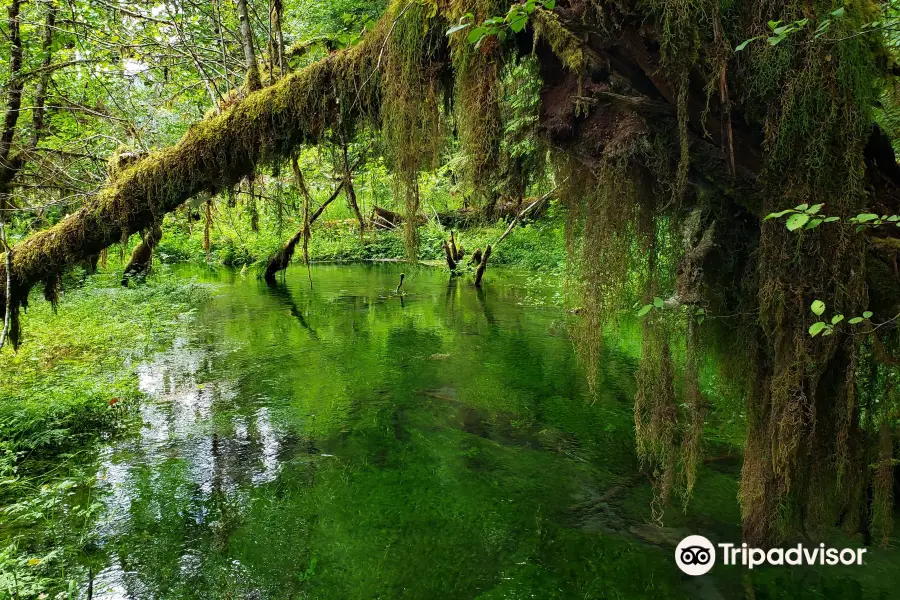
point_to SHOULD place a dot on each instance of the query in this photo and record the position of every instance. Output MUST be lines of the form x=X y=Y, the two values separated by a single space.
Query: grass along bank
x=537 y=245
x=71 y=384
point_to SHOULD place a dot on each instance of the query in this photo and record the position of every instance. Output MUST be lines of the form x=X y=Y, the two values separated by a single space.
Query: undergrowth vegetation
x=71 y=386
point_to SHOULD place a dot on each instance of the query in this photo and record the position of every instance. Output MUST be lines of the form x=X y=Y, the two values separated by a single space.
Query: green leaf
x=777 y=215
x=456 y=28
x=818 y=307
x=814 y=223
x=644 y=310
x=815 y=208
x=519 y=24
x=866 y=217
x=658 y=302
x=832 y=219
x=867 y=314
x=775 y=40
x=796 y=221
x=744 y=44
x=774 y=24
x=855 y=320
x=828 y=330
x=803 y=206
x=550 y=4
x=838 y=13
x=816 y=328
x=837 y=319
x=475 y=35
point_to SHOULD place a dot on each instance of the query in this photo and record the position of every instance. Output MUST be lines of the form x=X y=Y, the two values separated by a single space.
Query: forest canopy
x=729 y=166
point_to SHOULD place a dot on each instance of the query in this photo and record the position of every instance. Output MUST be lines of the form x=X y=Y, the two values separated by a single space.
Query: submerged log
x=479 y=273
x=476 y=257
x=142 y=255
x=448 y=255
x=281 y=259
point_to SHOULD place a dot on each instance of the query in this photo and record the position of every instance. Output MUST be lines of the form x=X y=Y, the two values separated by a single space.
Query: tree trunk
x=253 y=82
x=351 y=193
x=8 y=169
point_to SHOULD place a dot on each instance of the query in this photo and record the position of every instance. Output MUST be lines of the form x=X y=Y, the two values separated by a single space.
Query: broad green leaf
x=519 y=24
x=816 y=328
x=803 y=206
x=550 y=4
x=855 y=320
x=818 y=307
x=866 y=217
x=475 y=35
x=744 y=44
x=644 y=310
x=837 y=319
x=774 y=24
x=658 y=302
x=867 y=314
x=838 y=13
x=776 y=215
x=832 y=219
x=815 y=208
x=796 y=221
x=456 y=28
x=814 y=223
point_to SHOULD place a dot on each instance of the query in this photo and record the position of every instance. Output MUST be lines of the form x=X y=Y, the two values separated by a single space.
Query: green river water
x=346 y=442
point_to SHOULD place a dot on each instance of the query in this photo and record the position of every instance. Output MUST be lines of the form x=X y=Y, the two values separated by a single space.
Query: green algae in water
x=346 y=442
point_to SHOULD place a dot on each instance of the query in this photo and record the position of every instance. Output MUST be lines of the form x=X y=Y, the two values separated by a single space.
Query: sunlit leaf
x=818 y=307
x=796 y=221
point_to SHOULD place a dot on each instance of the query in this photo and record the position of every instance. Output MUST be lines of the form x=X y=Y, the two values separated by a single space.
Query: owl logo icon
x=695 y=555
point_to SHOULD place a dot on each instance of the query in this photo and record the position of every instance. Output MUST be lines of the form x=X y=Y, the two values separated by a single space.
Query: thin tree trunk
x=351 y=193
x=252 y=82
x=13 y=103
x=277 y=10
x=301 y=184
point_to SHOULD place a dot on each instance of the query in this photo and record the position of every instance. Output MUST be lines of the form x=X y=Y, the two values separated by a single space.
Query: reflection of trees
x=280 y=291
x=210 y=474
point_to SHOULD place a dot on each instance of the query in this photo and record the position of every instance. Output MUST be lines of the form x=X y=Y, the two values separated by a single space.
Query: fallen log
x=281 y=259
x=142 y=255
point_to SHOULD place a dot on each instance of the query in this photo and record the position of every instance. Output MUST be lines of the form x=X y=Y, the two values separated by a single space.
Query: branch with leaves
x=805 y=217
x=515 y=21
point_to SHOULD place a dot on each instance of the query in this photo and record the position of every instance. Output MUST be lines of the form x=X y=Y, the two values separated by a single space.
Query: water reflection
x=344 y=442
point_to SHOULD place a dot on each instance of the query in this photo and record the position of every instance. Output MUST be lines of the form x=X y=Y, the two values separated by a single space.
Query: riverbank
x=71 y=385
x=537 y=246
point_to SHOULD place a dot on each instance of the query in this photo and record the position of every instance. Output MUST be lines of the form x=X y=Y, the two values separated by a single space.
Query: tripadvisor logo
x=696 y=555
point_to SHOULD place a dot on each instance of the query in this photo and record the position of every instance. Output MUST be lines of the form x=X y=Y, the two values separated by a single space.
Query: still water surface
x=346 y=442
